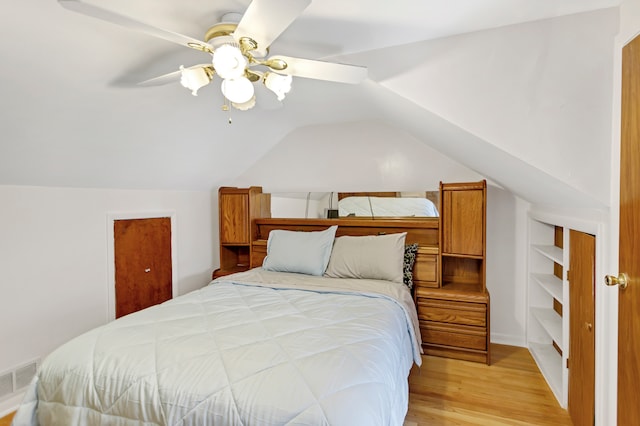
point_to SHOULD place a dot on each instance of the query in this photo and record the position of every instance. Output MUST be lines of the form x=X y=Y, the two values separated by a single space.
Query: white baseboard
x=508 y=339
x=10 y=405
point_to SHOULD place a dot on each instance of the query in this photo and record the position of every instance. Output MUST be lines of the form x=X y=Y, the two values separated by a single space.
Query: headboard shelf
x=423 y=231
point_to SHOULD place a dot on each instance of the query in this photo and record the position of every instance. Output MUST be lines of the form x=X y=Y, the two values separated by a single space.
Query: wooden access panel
x=143 y=270
x=582 y=341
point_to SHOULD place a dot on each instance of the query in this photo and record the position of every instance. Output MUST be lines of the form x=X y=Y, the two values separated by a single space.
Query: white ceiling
x=72 y=114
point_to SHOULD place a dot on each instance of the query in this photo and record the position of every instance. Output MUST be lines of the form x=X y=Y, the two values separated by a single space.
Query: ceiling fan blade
x=172 y=77
x=265 y=20
x=125 y=21
x=320 y=70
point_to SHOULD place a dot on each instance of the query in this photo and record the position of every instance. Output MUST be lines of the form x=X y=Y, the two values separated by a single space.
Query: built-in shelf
x=551 y=322
x=552 y=252
x=547 y=341
x=550 y=364
x=550 y=283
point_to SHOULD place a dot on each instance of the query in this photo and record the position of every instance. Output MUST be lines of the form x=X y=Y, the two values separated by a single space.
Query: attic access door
x=142 y=260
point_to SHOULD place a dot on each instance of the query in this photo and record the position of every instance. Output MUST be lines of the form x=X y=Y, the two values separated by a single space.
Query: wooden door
x=234 y=218
x=142 y=252
x=582 y=342
x=629 y=298
x=463 y=222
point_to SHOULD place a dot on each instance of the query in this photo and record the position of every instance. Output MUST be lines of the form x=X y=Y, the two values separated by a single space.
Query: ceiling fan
x=239 y=52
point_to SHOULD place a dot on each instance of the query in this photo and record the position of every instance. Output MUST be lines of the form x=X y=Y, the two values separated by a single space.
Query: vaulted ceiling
x=73 y=114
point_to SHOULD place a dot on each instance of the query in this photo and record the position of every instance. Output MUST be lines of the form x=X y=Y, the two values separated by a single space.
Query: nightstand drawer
x=460 y=336
x=425 y=269
x=452 y=312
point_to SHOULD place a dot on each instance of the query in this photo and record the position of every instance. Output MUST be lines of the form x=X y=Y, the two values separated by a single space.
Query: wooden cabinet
x=454 y=314
x=238 y=207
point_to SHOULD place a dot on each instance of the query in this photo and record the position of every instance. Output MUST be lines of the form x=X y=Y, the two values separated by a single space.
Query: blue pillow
x=302 y=252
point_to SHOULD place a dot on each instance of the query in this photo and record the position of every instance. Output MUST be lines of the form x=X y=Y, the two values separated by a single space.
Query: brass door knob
x=621 y=280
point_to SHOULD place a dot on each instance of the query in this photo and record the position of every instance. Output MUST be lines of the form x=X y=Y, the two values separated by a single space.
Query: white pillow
x=303 y=252
x=378 y=257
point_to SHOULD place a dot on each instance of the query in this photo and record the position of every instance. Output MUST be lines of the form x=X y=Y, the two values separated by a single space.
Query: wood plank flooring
x=511 y=391
x=451 y=392
x=6 y=420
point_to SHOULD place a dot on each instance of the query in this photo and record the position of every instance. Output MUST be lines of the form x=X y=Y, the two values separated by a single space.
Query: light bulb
x=237 y=90
x=229 y=62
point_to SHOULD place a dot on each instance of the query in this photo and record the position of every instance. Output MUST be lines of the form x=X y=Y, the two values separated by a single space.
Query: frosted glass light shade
x=237 y=90
x=229 y=62
x=278 y=84
x=194 y=78
x=245 y=106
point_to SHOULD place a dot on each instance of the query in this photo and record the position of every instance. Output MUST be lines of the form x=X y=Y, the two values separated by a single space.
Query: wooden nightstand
x=454 y=315
x=454 y=323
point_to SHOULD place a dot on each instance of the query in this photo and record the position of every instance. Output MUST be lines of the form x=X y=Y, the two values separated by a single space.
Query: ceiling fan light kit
x=246 y=105
x=195 y=78
x=229 y=62
x=237 y=90
x=278 y=84
x=239 y=52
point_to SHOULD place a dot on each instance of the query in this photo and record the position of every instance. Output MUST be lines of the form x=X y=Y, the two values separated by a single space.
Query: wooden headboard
x=423 y=231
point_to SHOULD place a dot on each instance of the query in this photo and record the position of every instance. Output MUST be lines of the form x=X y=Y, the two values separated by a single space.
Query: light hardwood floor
x=511 y=391
x=6 y=421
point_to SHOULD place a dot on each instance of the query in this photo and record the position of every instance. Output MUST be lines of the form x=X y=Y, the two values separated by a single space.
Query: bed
x=277 y=345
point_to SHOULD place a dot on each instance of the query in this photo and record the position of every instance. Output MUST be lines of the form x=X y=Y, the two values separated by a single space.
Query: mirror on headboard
x=388 y=204
x=313 y=205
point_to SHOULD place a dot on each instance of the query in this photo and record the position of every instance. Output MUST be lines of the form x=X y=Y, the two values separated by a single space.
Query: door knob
x=621 y=280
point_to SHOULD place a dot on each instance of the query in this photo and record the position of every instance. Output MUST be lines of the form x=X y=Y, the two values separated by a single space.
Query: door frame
x=593 y=222
x=111 y=272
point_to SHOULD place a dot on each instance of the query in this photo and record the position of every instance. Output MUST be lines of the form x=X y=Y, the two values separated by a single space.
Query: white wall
x=53 y=259
x=506 y=265
x=354 y=156
x=539 y=91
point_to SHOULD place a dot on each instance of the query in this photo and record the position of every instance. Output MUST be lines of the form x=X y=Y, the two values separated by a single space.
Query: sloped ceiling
x=72 y=114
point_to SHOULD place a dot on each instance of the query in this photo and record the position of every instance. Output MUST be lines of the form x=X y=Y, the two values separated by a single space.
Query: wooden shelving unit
x=454 y=316
x=238 y=207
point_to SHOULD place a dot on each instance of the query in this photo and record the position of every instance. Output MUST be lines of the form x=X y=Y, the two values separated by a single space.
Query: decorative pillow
x=303 y=252
x=410 y=251
x=378 y=257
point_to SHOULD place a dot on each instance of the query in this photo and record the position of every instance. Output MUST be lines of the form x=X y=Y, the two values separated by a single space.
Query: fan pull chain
x=225 y=107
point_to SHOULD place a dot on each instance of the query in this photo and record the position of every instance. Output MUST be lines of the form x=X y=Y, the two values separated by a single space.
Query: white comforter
x=244 y=350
